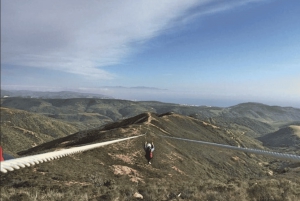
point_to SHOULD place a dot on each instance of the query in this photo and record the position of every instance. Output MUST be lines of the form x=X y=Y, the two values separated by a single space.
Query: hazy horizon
x=125 y=94
x=200 y=52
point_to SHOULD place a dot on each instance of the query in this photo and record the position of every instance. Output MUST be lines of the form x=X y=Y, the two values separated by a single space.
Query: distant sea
x=202 y=102
x=228 y=102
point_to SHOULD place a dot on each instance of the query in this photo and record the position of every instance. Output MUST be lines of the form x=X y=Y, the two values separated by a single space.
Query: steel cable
x=10 y=165
x=27 y=161
x=248 y=150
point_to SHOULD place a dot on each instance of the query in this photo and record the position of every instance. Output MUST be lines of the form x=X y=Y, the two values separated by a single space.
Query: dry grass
x=179 y=170
x=210 y=190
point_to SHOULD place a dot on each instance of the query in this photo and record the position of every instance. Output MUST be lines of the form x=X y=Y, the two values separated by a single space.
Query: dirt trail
x=296 y=130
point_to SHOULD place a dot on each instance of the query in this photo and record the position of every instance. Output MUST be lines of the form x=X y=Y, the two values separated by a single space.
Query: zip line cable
x=27 y=161
x=13 y=164
x=248 y=150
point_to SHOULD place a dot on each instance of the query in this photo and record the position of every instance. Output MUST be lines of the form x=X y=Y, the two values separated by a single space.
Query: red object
x=150 y=154
x=1 y=155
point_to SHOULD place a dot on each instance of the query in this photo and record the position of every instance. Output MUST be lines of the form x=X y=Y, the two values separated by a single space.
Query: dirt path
x=296 y=130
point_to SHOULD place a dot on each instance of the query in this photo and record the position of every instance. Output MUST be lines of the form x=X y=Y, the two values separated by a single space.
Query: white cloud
x=80 y=37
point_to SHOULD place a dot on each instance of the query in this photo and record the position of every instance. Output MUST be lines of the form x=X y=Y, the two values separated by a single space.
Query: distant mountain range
x=49 y=94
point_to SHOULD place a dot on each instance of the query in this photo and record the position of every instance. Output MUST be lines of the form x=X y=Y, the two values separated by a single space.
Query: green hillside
x=253 y=119
x=287 y=137
x=22 y=130
x=179 y=170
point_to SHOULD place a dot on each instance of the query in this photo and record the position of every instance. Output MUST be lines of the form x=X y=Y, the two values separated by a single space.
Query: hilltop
x=180 y=170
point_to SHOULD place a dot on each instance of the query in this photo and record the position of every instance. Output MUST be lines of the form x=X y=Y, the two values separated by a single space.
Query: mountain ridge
x=97 y=112
x=49 y=94
x=118 y=171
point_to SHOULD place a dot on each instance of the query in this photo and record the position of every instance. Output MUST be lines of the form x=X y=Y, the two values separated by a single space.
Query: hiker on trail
x=149 y=148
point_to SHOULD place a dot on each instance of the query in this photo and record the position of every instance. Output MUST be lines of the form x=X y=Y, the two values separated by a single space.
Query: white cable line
x=27 y=161
x=10 y=165
x=249 y=150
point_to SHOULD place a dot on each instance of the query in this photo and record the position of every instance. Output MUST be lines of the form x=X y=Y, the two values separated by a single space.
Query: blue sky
x=205 y=52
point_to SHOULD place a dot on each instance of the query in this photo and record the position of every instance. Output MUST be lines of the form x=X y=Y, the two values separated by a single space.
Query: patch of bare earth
x=237 y=159
x=296 y=130
x=124 y=170
x=178 y=170
x=126 y=158
x=208 y=124
x=69 y=183
x=174 y=156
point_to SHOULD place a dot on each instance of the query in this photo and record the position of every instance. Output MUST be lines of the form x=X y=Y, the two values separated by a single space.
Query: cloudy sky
x=203 y=52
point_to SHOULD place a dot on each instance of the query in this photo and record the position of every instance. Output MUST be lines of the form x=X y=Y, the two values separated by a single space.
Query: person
x=149 y=148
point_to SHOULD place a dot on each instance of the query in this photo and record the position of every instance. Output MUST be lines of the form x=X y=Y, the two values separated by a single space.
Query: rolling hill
x=285 y=137
x=179 y=170
x=253 y=119
x=22 y=130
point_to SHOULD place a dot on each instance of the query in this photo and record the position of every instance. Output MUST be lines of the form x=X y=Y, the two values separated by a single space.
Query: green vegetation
x=179 y=170
x=86 y=113
x=22 y=130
